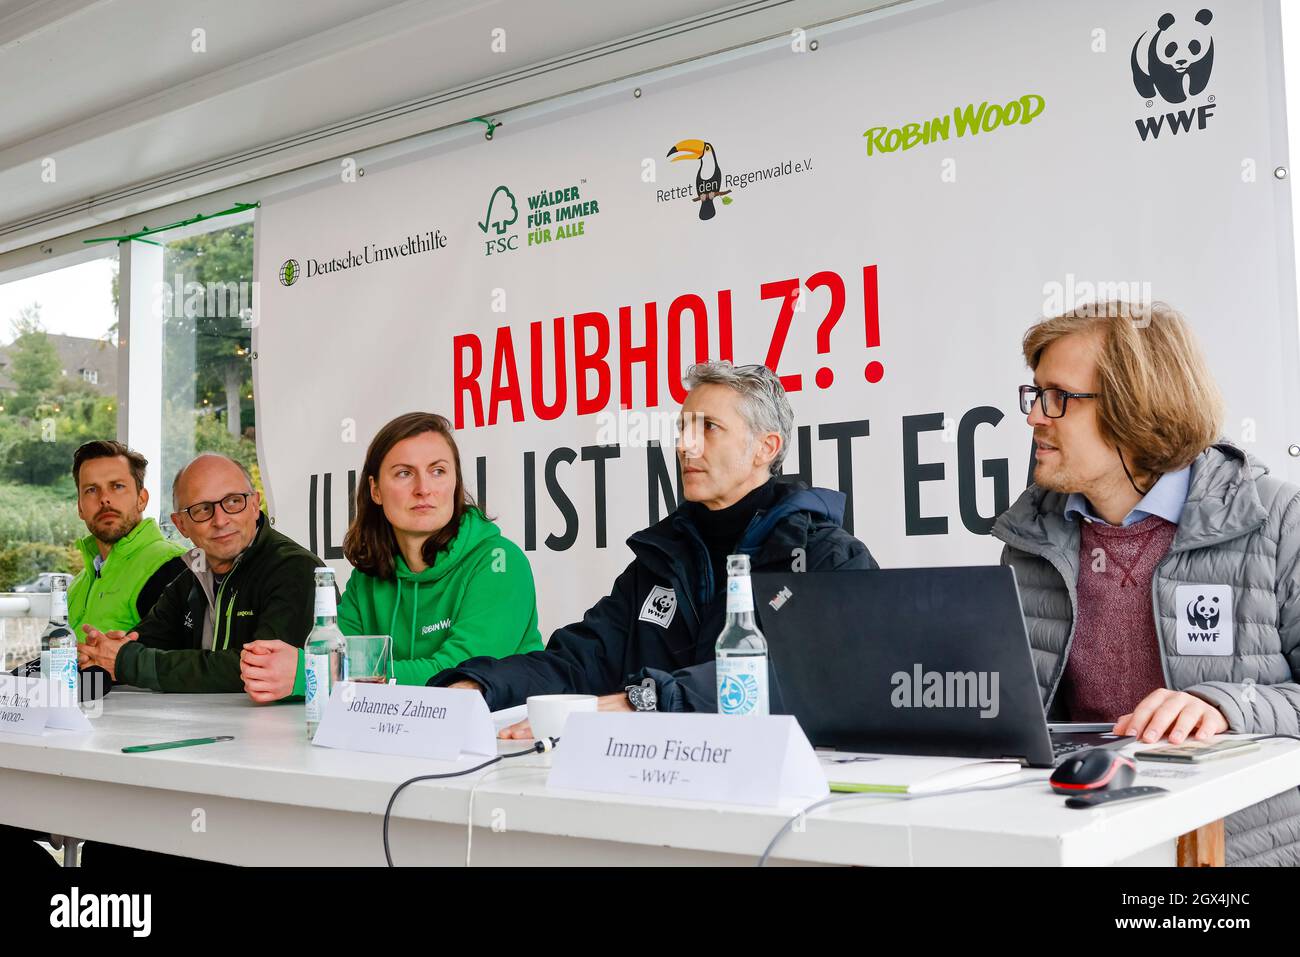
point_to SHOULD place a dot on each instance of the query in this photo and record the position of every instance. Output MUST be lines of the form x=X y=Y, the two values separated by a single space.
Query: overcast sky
x=77 y=301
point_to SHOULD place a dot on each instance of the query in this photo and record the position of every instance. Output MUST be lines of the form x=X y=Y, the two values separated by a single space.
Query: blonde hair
x=1158 y=400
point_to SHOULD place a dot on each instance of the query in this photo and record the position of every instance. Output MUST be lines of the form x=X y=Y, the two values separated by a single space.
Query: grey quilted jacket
x=1239 y=528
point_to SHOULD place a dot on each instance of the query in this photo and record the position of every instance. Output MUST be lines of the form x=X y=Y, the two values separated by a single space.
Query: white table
x=269 y=797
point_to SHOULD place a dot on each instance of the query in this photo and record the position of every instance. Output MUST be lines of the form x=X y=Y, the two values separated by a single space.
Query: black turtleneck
x=722 y=528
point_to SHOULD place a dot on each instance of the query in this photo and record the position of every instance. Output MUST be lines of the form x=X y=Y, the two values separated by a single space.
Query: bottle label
x=740 y=595
x=317 y=674
x=63 y=674
x=326 y=607
x=742 y=684
x=58 y=607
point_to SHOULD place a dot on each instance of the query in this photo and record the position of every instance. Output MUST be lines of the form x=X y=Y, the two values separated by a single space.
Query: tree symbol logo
x=497 y=217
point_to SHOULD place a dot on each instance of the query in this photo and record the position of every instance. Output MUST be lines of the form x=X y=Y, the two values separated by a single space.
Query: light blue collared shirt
x=1166 y=499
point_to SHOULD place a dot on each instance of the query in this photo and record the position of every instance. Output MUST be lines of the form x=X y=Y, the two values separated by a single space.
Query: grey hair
x=763 y=402
x=215 y=455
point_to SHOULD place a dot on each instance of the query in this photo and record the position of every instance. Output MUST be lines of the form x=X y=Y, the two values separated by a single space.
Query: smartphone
x=1194 y=752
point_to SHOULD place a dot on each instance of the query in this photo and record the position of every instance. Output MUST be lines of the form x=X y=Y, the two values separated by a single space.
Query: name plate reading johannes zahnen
x=437 y=723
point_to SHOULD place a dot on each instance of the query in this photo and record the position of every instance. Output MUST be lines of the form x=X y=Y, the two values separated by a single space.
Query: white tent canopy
x=130 y=107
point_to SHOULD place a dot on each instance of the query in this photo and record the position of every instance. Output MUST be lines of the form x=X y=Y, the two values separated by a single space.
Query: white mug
x=548 y=712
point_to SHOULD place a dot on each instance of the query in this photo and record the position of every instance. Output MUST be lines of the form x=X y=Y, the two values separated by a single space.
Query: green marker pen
x=141 y=748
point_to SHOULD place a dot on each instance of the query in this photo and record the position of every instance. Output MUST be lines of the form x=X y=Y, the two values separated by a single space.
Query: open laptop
x=910 y=661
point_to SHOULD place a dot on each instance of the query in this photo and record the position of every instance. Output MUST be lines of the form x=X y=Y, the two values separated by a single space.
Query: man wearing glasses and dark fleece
x=245 y=582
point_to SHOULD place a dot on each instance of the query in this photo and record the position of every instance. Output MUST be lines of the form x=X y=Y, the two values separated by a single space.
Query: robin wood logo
x=969 y=120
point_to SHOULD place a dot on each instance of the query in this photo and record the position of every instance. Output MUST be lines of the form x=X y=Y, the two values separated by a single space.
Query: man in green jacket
x=128 y=563
x=245 y=581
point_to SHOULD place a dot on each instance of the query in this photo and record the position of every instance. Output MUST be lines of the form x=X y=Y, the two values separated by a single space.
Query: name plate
x=435 y=723
x=757 y=760
x=27 y=707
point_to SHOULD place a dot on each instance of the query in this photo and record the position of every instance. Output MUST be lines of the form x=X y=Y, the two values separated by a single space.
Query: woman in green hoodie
x=430 y=570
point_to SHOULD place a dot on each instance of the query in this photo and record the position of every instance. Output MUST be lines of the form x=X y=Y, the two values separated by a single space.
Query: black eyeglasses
x=1052 y=401
x=232 y=504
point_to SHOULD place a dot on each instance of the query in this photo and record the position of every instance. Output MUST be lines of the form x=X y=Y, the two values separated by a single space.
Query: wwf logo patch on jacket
x=660 y=606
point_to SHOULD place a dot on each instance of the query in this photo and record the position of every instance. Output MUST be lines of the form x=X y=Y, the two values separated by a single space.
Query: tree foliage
x=34 y=364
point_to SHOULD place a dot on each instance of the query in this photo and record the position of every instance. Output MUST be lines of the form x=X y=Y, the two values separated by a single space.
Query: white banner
x=894 y=208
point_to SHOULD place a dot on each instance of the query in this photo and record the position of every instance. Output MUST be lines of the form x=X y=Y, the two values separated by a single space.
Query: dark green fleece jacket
x=191 y=640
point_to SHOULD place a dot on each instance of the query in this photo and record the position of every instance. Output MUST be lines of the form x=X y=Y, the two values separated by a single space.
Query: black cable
x=541 y=747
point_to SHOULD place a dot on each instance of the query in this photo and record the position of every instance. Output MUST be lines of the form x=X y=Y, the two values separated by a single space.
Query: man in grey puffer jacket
x=1159 y=570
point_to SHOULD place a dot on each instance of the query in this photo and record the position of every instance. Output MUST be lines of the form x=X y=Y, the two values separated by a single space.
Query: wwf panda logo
x=1203 y=614
x=1176 y=61
x=660 y=606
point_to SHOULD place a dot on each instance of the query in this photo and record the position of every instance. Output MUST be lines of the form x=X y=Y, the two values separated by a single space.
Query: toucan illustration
x=708 y=182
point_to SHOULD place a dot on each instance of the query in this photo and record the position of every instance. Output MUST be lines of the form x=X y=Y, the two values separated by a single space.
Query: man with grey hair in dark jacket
x=1159 y=568
x=660 y=621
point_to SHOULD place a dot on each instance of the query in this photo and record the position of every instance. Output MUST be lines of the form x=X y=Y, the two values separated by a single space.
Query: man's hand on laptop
x=1175 y=713
x=607 y=702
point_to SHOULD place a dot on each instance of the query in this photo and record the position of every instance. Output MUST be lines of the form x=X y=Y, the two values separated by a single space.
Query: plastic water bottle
x=323 y=652
x=741 y=651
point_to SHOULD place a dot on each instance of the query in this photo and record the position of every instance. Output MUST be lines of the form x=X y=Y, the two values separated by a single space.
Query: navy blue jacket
x=665 y=611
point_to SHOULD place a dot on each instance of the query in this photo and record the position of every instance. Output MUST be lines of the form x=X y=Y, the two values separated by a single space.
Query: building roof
x=93 y=360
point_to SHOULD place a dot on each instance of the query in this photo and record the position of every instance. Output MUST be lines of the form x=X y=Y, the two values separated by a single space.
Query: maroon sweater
x=1114 y=659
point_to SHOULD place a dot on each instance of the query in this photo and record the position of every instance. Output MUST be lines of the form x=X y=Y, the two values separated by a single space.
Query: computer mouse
x=1097 y=769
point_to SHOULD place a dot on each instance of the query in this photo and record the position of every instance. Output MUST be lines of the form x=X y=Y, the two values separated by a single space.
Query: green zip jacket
x=110 y=600
x=478 y=598
x=191 y=640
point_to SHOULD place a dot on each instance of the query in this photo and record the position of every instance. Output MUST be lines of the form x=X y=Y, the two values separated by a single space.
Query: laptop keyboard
x=1062 y=748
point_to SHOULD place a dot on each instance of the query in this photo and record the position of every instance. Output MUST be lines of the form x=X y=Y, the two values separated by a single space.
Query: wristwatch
x=643 y=697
